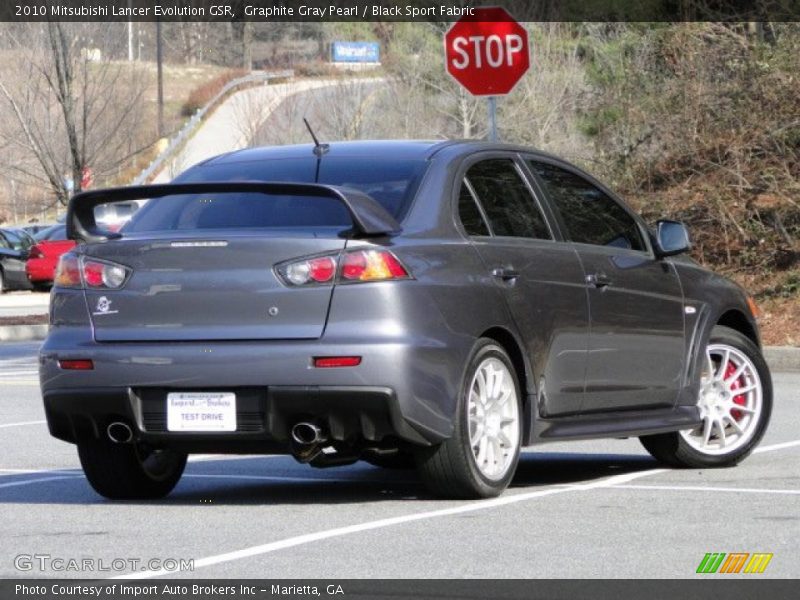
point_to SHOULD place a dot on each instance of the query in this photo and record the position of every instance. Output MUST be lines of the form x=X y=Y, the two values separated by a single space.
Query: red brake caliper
x=730 y=369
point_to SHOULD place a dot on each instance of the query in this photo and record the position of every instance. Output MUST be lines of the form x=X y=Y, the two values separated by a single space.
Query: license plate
x=201 y=411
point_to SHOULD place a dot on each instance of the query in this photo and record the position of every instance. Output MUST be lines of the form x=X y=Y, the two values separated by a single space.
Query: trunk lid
x=221 y=286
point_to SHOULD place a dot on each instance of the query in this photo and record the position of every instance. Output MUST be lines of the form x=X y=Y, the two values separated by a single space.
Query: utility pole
x=160 y=60
x=130 y=36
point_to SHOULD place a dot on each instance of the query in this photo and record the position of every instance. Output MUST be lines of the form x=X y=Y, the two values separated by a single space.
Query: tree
x=67 y=106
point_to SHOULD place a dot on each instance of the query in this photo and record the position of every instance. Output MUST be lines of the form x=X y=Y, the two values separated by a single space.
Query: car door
x=541 y=277
x=636 y=347
x=12 y=261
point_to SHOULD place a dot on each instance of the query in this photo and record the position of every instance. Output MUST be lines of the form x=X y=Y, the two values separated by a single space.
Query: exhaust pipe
x=119 y=432
x=307 y=441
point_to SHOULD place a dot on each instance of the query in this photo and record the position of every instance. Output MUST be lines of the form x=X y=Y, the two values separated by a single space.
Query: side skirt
x=618 y=424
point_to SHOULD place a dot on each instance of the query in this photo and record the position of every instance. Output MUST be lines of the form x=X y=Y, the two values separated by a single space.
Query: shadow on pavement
x=280 y=480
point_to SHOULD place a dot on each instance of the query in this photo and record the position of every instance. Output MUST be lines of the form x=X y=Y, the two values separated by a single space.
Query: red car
x=41 y=265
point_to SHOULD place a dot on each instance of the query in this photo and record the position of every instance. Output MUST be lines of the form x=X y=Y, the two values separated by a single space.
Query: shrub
x=204 y=93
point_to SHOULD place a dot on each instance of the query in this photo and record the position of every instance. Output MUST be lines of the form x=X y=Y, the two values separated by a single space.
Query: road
x=237 y=119
x=578 y=510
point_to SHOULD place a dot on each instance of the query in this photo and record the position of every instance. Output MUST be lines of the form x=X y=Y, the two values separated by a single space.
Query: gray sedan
x=437 y=304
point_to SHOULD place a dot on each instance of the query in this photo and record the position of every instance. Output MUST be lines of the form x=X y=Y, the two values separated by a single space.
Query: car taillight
x=68 y=273
x=103 y=275
x=36 y=252
x=372 y=265
x=75 y=272
x=351 y=267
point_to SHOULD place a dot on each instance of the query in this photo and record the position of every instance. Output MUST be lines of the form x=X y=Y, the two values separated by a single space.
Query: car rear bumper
x=264 y=416
x=39 y=270
x=400 y=390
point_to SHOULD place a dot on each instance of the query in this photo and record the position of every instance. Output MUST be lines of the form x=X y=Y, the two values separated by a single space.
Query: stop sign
x=487 y=52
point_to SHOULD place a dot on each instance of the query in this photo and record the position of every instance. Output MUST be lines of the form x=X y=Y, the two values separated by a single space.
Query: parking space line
x=773 y=447
x=21 y=423
x=508 y=499
x=700 y=488
x=480 y=505
x=32 y=471
x=39 y=480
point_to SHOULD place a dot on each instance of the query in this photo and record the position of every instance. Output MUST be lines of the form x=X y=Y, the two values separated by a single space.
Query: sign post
x=487 y=52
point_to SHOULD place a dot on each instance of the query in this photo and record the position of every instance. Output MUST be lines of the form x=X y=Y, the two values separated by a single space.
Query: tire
x=126 y=472
x=459 y=468
x=2 y=282
x=728 y=434
x=41 y=287
x=397 y=460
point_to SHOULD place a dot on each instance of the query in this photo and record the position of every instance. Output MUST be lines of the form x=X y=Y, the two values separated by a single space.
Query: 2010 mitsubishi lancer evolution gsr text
x=433 y=303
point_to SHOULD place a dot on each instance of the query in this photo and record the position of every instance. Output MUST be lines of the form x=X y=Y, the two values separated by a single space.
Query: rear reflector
x=327 y=362
x=76 y=365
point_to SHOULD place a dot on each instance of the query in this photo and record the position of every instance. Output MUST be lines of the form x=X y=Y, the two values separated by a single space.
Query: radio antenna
x=319 y=149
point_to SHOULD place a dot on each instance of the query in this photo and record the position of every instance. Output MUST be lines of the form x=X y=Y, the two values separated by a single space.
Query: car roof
x=396 y=149
x=399 y=149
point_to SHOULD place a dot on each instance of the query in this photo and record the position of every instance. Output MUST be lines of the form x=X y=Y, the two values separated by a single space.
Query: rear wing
x=369 y=217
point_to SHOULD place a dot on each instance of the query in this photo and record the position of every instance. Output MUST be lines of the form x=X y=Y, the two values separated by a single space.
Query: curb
x=783 y=358
x=23 y=333
x=779 y=358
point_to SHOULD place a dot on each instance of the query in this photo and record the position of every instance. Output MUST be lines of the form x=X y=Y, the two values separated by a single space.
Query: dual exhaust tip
x=305 y=435
x=119 y=432
x=307 y=441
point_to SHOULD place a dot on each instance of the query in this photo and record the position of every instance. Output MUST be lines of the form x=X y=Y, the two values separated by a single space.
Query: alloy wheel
x=493 y=418
x=730 y=402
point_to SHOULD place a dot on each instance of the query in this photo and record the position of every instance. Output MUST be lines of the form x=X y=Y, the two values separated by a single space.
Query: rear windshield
x=54 y=233
x=392 y=183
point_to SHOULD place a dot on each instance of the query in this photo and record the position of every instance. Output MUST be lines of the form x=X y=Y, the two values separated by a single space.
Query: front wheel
x=130 y=471
x=479 y=459
x=735 y=403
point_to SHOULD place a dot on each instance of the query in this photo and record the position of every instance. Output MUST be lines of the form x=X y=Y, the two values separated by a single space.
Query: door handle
x=598 y=280
x=505 y=273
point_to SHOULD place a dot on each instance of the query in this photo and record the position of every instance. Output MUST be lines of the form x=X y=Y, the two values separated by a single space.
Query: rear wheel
x=41 y=286
x=735 y=403
x=479 y=459
x=2 y=282
x=129 y=471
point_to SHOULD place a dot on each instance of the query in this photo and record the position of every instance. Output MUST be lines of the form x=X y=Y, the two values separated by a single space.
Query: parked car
x=36 y=228
x=443 y=303
x=14 y=247
x=45 y=254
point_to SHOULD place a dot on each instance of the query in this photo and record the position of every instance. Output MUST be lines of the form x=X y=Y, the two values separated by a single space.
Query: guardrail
x=188 y=128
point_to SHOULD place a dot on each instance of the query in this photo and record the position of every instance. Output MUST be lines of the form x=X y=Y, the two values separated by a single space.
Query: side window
x=591 y=216
x=508 y=203
x=470 y=216
x=3 y=242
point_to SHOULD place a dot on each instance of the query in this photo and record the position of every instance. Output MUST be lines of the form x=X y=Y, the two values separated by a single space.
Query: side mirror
x=672 y=238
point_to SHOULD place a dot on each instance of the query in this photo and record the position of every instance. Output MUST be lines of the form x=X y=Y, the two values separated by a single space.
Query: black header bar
x=396 y=10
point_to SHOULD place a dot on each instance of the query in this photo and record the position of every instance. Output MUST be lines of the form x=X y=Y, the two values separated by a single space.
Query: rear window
x=238 y=211
x=54 y=233
x=392 y=183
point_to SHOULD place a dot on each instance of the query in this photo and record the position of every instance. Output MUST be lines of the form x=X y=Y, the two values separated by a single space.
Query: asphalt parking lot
x=585 y=509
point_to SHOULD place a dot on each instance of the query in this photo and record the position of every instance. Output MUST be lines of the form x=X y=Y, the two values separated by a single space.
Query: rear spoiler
x=369 y=217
